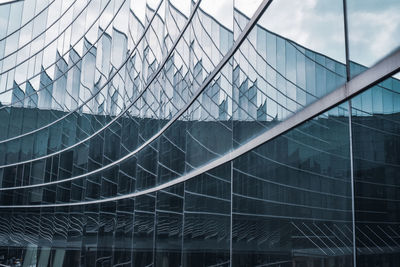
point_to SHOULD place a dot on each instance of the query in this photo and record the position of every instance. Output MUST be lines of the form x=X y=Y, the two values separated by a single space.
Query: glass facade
x=196 y=133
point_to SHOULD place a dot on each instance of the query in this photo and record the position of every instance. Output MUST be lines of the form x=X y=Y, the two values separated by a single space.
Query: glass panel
x=371 y=20
x=294 y=56
x=206 y=240
x=292 y=197
x=376 y=146
x=286 y=202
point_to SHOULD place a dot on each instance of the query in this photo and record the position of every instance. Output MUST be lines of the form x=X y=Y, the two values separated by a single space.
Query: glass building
x=200 y=133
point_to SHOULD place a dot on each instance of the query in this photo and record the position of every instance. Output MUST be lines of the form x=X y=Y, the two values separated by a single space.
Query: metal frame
x=10 y=2
x=54 y=64
x=28 y=21
x=151 y=79
x=379 y=72
x=208 y=80
x=352 y=187
x=92 y=96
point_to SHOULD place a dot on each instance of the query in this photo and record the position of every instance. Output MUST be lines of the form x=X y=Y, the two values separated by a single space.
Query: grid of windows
x=117 y=130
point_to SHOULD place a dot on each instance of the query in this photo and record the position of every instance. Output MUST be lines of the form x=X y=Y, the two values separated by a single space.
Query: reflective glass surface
x=199 y=133
x=375 y=131
x=290 y=205
x=371 y=25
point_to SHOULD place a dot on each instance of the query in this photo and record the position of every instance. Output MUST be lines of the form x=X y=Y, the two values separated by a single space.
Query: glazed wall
x=106 y=127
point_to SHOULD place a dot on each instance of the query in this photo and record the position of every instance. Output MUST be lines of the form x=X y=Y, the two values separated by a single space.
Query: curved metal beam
x=384 y=69
x=152 y=78
x=208 y=80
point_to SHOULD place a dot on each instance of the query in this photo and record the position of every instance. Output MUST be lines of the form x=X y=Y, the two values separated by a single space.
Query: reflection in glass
x=292 y=197
x=376 y=143
x=371 y=28
x=109 y=185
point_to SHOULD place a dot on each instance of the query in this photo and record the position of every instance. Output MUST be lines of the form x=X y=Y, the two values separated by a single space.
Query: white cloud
x=373 y=34
x=317 y=25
